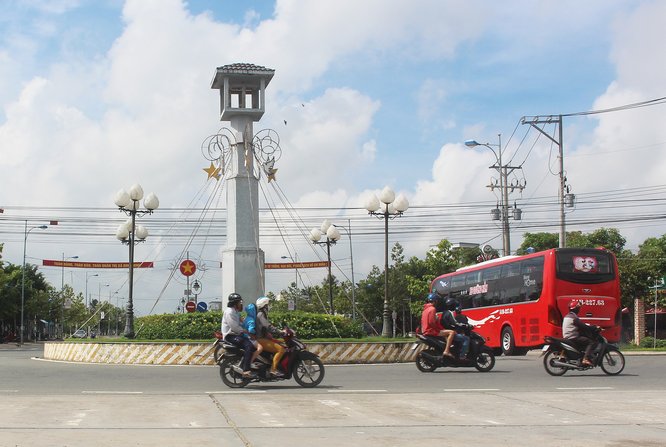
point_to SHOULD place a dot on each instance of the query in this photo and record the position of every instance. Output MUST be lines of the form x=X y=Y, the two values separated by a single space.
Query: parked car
x=80 y=333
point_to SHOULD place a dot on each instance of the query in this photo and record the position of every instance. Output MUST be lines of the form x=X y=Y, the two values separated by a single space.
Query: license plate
x=545 y=348
x=414 y=346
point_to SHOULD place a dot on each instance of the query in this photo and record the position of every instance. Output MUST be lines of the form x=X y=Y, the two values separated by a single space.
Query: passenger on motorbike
x=232 y=331
x=449 y=322
x=265 y=332
x=250 y=326
x=431 y=326
x=574 y=330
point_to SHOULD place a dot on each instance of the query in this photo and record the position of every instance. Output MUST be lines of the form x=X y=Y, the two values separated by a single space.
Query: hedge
x=649 y=342
x=202 y=325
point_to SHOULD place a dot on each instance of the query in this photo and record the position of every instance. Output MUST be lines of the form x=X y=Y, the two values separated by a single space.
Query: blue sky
x=98 y=95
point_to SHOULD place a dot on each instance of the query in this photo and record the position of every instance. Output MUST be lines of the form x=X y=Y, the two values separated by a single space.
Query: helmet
x=431 y=297
x=262 y=302
x=451 y=304
x=233 y=299
x=574 y=306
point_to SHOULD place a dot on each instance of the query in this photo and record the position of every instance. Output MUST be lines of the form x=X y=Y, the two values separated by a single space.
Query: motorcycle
x=304 y=366
x=479 y=355
x=560 y=355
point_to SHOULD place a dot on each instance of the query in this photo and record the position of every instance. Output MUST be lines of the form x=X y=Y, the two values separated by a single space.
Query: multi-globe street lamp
x=332 y=236
x=130 y=233
x=26 y=231
x=389 y=208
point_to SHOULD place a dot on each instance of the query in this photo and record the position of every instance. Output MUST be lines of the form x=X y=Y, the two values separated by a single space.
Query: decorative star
x=248 y=158
x=213 y=172
x=269 y=169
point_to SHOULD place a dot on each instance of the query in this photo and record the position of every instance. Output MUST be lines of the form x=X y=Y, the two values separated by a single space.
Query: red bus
x=515 y=301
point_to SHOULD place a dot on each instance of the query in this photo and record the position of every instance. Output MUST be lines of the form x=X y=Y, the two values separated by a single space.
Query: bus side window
x=532 y=271
x=511 y=282
x=491 y=277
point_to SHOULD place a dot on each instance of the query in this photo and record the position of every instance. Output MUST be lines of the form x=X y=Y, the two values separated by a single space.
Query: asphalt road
x=56 y=404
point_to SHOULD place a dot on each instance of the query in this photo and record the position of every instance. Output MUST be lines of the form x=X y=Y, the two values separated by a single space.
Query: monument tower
x=242 y=102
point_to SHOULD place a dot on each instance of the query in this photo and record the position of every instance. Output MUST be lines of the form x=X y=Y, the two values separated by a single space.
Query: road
x=56 y=404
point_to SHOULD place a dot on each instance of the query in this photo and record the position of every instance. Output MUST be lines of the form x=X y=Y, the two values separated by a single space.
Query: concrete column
x=639 y=320
x=242 y=259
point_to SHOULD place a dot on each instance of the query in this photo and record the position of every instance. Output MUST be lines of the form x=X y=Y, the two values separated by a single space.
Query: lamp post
x=332 y=237
x=393 y=207
x=129 y=233
x=351 y=255
x=62 y=275
x=87 y=277
x=504 y=171
x=294 y=260
x=26 y=231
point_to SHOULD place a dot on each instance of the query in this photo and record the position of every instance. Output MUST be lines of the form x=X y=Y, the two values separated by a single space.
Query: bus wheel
x=508 y=341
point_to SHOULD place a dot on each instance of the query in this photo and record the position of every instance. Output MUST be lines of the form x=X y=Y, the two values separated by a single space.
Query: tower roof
x=242 y=71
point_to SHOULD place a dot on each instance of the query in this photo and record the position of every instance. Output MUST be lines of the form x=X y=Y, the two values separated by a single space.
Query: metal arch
x=217 y=147
x=266 y=146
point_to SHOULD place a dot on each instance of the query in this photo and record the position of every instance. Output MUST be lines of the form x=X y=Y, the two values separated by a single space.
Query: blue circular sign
x=202 y=307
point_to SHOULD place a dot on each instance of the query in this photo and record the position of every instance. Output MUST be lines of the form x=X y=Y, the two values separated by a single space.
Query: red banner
x=295 y=265
x=95 y=265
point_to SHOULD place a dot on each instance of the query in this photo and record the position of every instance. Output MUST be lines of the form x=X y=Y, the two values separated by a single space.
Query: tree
x=539 y=242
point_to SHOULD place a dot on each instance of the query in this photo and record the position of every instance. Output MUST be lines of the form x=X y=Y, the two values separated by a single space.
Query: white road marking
x=236 y=392
x=470 y=389
x=356 y=391
x=589 y=388
x=112 y=392
x=8 y=391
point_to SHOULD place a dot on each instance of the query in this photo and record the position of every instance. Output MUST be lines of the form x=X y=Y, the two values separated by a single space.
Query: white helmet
x=262 y=302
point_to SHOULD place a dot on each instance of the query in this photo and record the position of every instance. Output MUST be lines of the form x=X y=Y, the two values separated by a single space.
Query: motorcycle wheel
x=217 y=355
x=423 y=364
x=231 y=378
x=612 y=362
x=309 y=373
x=485 y=361
x=551 y=369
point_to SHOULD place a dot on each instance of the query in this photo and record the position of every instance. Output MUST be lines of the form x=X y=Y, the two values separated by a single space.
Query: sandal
x=447 y=354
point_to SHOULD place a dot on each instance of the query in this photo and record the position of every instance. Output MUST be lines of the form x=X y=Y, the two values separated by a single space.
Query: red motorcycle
x=304 y=366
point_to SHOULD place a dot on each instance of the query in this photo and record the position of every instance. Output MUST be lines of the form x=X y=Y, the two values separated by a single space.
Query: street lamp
x=129 y=233
x=393 y=207
x=87 y=277
x=503 y=170
x=332 y=236
x=294 y=260
x=26 y=231
x=62 y=276
x=351 y=255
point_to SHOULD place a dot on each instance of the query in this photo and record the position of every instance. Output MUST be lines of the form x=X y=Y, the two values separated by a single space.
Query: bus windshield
x=583 y=266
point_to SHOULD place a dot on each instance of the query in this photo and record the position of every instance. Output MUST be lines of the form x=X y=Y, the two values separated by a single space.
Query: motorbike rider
x=232 y=331
x=265 y=333
x=449 y=322
x=250 y=326
x=431 y=326
x=574 y=330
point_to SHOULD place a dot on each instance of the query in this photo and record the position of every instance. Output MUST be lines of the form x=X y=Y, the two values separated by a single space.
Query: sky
x=98 y=95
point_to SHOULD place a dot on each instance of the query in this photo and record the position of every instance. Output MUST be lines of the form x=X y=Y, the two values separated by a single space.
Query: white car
x=80 y=333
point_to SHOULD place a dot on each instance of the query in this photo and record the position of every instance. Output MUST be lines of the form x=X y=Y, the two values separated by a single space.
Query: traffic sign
x=202 y=307
x=190 y=306
x=187 y=267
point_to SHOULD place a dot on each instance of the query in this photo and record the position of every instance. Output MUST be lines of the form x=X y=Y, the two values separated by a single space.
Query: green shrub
x=202 y=325
x=649 y=342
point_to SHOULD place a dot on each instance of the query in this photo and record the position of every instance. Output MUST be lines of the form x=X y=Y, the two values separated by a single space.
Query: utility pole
x=564 y=196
